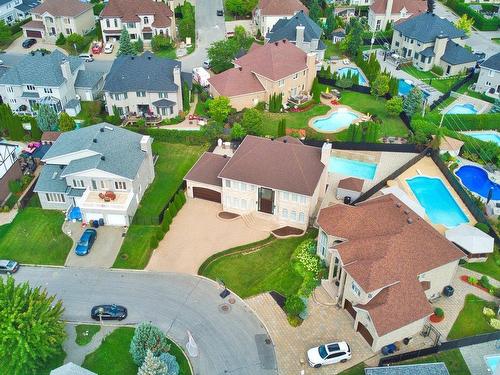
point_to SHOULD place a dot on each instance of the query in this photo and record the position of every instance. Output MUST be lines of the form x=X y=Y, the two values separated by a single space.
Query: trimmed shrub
x=472 y=280
x=294 y=305
x=484 y=282
x=61 y=40
x=482 y=226
x=439 y=312
x=170 y=361
x=436 y=69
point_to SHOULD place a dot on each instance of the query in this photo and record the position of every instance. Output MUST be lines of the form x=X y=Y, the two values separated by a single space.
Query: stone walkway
x=76 y=353
x=7 y=217
x=186 y=124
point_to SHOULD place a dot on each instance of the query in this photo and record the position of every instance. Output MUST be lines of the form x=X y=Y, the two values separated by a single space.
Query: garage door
x=93 y=216
x=33 y=34
x=207 y=194
x=365 y=333
x=119 y=220
x=348 y=307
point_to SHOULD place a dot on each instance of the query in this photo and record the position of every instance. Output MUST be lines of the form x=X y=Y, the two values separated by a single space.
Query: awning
x=470 y=238
x=164 y=103
x=403 y=197
x=30 y=95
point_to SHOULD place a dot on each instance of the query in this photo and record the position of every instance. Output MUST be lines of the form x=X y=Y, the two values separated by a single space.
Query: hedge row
x=488 y=121
x=480 y=22
x=171 y=212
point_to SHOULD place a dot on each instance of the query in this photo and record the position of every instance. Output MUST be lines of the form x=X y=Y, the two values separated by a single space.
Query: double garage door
x=33 y=34
x=118 y=220
x=207 y=194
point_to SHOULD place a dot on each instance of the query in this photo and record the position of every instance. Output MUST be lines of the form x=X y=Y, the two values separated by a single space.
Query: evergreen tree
x=46 y=118
x=61 y=40
x=147 y=337
x=66 y=122
x=351 y=132
x=252 y=121
x=331 y=23
x=413 y=102
x=126 y=47
x=185 y=96
x=173 y=367
x=139 y=46
x=282 y=128
x=152 y=365
x=36 y=133
x=314 y=10
x=358 y=134
x=16 y=131
x=316 y=91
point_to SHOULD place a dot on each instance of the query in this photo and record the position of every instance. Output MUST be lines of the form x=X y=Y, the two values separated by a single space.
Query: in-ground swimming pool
x=337 y=120
x=476 y=180
x=486 y=136
x=354 y=71
x=462 y=109
x=352 y=168
x=437 y=201
x=493 y=362
x=405 y=86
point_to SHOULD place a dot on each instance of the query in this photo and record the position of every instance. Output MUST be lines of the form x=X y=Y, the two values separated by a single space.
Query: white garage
x=118 y=220
x=92 y=216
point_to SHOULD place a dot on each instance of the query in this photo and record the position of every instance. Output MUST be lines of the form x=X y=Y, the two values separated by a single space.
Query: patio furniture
x=101 y=195
x=110 y=195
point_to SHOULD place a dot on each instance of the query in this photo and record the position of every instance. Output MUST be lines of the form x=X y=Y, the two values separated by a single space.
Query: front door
x=266 y=200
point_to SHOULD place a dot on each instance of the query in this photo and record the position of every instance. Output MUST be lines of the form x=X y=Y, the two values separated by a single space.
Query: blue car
x=86 y=241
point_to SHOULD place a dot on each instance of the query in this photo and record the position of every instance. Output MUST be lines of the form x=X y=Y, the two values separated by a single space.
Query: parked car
x=108 y=48
x=96 y=47
x=206 y=64
x=29 y=42
x=8 y=266
x=108 y=312
x=86 y=241
x=328 y=354
x=86 y=57
x=220 y=12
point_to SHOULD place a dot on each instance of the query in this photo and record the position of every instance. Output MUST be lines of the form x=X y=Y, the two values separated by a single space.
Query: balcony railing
x=119 y=201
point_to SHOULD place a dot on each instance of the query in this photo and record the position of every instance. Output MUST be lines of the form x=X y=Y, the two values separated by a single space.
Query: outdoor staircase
x=259 y=222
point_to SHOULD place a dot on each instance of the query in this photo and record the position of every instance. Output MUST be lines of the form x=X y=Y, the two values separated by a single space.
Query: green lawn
x=359 y=369
x=92 y=112
x=465 y=89
x=490 y=267
x=471 y=320
x=332 y=49
x=295 y=120
x=136 y=250
x=35 y=237
x=113 y=356
x=7 y=42
x=261 y=271
x=167 y=54
x=496 y=40
x=85 y=332
x=430 y=78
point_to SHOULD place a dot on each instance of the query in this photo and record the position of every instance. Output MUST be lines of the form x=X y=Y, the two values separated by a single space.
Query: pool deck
x=480 y=105
x=333 y=109
x=474 y=356
x=470 y=132
x=339 y=64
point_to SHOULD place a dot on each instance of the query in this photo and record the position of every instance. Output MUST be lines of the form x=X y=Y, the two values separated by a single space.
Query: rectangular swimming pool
x=485 y=136
x=352 y=168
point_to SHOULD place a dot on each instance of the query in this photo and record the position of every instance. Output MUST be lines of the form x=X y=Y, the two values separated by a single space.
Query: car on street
x=328 y=354
x=108 y=48
x=108 y=312
x=220 y=12
x=86 y=57
x=29 y=42
x=86 y=241
x=8 y=266
x=206 y=64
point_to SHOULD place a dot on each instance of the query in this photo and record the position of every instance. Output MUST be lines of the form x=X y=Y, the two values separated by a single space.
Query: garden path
x=76 y=353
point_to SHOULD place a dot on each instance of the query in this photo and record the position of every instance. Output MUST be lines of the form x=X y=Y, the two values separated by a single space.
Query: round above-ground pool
x=342 y=72
x=335 y=121
x=462 y=109
x=476 y=180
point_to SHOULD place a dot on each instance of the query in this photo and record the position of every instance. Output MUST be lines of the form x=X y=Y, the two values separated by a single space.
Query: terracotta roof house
x=54 y=17
x=279 y=180
x=350 y=187
x=274 y=68
x=142 y=18
x=386 y=263
x=384 y=12
x=268 y=12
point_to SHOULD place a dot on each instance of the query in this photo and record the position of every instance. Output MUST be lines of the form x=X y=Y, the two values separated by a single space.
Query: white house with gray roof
x=15 y=10
x=53 y=79
x=427 y=40
x=488 y=81
x=87 y=166
x=144 y=85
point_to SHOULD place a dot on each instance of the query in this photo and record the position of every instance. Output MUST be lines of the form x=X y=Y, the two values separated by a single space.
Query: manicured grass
x=200 y=109
x=440 y=84
x=261 y=271
x=465 y=89
x=471 y=320
x=332 y=49
x=52 y=363
x=136 y=250
x=452 y=358
x=490 y=267
x=496 y=40
x=35 y=237
x=7 y=42
x=85 y=332
x=167 y=54
x=92 y=112
x=295 y=120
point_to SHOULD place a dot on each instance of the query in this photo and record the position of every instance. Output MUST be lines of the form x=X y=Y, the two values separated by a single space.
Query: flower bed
x=436 y=319
x=470 y=281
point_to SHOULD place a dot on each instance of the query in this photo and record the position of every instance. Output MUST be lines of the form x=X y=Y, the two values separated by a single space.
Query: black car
x=28 y=43
x=108 y=312
x=220 y=12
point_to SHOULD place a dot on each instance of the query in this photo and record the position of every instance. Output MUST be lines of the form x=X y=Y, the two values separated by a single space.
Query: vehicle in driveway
x=220 y=12
x=328 y=354
x=206 y=64
x=29 y=42
x=8 y=266
x=108 y=312
x=86 y=57
x=108 y=48
x=86 y=241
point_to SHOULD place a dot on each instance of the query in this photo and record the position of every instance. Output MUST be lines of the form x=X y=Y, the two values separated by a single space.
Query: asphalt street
x=229 y=342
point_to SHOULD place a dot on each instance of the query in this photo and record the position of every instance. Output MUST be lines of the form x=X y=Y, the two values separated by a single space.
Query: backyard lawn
x=259 y=271
x=440 y=84
x=8 y=41
x=91 y=112
x=490 y=267
x=35 y=237
x=295 y=120
x=332 y=49
x=471 y=320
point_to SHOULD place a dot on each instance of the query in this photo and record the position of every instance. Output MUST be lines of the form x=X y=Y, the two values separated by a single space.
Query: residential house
x=338 y=35
x=274 y=68
x=280 y=180
x=16 y=10
x=102 y=169
x=10 y=168
x=386 y=262
x=427 y=40
x=449 y=145
x=54 y=17
x=301 y=31
x=144 y=85
x=359 y=2
x=53 y=79
x=268 y=12
x=345 y=11
x=143 y=19
x=385 y=12
x=71 y=369
x=488 y=82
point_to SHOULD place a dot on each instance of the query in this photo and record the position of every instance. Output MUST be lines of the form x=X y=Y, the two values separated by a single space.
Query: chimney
x=66 y=70
x=145 y=145
x=439 y=47
x=326 y=151
x=299 y=36
x=388 y=12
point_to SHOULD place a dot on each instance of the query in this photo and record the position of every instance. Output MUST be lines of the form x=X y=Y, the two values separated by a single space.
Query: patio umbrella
x=490 y=194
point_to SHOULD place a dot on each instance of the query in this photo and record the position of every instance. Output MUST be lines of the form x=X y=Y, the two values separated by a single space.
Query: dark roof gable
x=426 y=27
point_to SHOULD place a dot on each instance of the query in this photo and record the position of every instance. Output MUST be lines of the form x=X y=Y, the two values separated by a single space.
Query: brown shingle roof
x=33 y=25
x=62 y=8
x=412 y=6
x=235 y=82
x=50 y=136
x=289 y=139
x=277 y=165
x=207 y=168
x=281 y=7
x=351 y=183
x=130 y=10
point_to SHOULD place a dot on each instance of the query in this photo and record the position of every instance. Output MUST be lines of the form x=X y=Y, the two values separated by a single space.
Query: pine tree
x=126 y=47
x=282 y=128
x=316 y=91
x=413 y=102
x=36 y=133
x=16 y=131
x=66 y=122
x=47 y=118
x=185 y=96
x=170 y=361
x=152 y=365
x=147 y=337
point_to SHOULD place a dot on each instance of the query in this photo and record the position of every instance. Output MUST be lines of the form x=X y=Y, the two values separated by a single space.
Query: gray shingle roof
x=141 y=73
x=27 y=5
x=3 y=69
x=120 y=149
x=455 y=54
x=50 y=180
x=429 y=51
x=438 y=368
x=493 y=62
x=164 y=103
x=71 y=369
x=425 y=28
x=87 y=79
x=286 y=29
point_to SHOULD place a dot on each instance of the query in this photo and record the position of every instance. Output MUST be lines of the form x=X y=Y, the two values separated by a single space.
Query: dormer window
x=146 y=20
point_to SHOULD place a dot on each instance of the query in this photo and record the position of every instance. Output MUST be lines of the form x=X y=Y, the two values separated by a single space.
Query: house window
x=94 y=185
x=293 y=215
x=281 y=83
x=491 y=73
x=356 y=289
x=103 y=185
x=47 y=90
x=54 y=197
x=130 y=24
x=296 y=75
x=10 y=89
x=235 y=202
x=422 y=58
x=163 y=94
x=303 y=199
x=228 y=184
x=285 y=195
x=141 y=94
x=378 y=25
x=397 y=44
x=115 y=22
x=78 y=183
x=301 y=217
x=67 y=20
x=323 y=243
x=294 y=197
x=120 y=185
x=146 y=20
x=243 y=204
x=30 y=88
x=284 y=213
x=69 y=31
x=243 y=186
x=107 y=23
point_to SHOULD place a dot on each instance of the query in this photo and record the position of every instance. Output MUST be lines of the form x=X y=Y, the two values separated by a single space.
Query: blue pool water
x=354 y=71
x=336 y=121
x=462 y=109
x=476 y=180
x=437 y=201
x=486 y=136
x=352 y=168
x=404 y=88
x=493 y=362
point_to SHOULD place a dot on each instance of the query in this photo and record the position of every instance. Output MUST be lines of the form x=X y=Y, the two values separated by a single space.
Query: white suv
x=328 y=354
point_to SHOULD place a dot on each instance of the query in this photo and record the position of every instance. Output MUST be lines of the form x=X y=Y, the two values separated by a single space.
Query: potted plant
x=438 y=315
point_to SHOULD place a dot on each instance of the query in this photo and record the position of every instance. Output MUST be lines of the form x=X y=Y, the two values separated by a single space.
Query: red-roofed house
x=382 y=12
x=274 y=68
x=386 y=263
x=268 y=12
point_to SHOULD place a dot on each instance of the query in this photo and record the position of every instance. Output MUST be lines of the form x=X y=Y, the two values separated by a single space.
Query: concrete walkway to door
x=195 y=234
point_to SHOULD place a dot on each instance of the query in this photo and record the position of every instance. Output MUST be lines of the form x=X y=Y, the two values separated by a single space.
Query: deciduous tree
x=252 y=121
x=394 y=106
x=380 y=86
x=219 y=108
x=66 y=122
x=237 y=132
x=221 y=54
x=465 y=24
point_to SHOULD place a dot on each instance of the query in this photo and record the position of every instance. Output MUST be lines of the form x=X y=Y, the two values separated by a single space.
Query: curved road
x=232 y=342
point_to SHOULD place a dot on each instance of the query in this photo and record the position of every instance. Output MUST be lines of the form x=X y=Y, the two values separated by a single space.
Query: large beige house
x=274 y=68
x=268 y=12
x=279 y=180
x=385 y=263
x=427 y=40
x=384 y=12
x=54 y=17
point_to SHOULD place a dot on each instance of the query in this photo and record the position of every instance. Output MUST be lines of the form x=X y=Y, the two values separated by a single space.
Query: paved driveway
x=231 y=342
x=103 y=252
x=17 y=48
x=195 y=234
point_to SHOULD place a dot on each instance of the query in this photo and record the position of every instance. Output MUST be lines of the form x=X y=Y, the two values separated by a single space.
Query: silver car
x=8 y=266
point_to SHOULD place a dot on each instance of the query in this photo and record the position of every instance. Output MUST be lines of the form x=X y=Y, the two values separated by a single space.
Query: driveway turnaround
x=230 y=337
